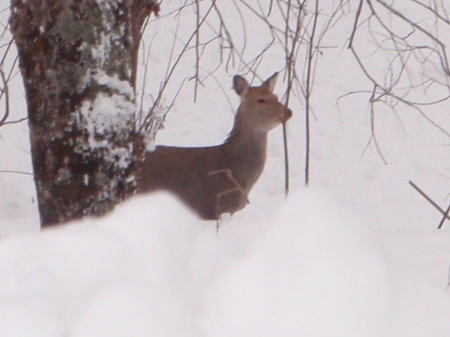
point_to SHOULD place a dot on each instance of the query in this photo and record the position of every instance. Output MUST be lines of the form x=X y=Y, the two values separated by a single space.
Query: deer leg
x=218 y=222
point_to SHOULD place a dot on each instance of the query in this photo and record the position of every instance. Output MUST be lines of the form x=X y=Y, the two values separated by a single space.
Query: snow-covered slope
x=313 y=270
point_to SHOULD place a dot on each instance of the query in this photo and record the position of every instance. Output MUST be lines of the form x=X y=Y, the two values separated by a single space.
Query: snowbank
x=152 y=269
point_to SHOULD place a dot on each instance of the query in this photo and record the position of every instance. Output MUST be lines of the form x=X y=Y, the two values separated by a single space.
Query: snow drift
x=153 y=269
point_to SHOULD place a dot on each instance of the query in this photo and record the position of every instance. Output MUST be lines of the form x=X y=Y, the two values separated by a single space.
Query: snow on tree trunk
x=78 y=59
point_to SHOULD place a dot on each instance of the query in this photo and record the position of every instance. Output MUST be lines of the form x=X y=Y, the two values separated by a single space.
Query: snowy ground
x=311 y=269
x=357 y=255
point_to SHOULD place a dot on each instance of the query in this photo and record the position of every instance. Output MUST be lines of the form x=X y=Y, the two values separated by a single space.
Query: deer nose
x=287 y=115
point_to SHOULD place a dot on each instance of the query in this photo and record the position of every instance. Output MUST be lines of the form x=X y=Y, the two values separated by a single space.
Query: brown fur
x=217 y=179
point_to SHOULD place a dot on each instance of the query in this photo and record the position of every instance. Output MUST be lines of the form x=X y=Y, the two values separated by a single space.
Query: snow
x=106 y=113
x=317 y=272
x=357 y=254
x=313 y=270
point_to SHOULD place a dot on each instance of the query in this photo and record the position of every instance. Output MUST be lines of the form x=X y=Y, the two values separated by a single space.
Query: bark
x=78 y=62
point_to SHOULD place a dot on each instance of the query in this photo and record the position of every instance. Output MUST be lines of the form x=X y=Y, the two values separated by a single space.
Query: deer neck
x=246 y=139
x=247 y=154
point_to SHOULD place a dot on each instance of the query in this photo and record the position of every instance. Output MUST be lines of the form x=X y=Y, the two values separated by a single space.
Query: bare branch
x=435 y=205
x=4 y=91
x=444 y=217
x=16 y=172
x=308 y=89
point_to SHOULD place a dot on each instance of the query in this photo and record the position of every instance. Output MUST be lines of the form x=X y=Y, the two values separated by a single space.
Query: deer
x=217 y=179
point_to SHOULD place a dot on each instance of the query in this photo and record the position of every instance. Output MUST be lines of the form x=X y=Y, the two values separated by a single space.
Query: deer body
x=217 y=179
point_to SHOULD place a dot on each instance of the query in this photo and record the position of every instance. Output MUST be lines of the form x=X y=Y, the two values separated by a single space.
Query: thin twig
x=197 y=46
x=4 y=91
x=423 y=194
x=444 y=217
x=172 y=70
x=308 y=89
x=290 y=70
x=16 y=172
x=401 y=48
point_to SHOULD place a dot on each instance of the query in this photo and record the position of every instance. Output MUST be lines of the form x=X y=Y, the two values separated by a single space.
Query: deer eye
x=261 y=100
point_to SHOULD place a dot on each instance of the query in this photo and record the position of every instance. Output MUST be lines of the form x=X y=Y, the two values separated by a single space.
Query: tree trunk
x=78 y=62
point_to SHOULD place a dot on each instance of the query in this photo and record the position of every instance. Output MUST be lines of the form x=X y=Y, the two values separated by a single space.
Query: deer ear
x=240 y=85
x=270 y=82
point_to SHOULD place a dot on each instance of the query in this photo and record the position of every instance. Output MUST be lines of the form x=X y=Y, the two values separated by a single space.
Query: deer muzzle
x=286 y=116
